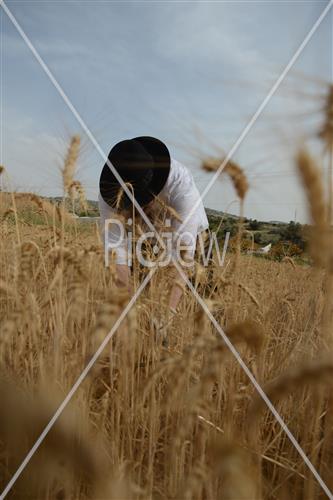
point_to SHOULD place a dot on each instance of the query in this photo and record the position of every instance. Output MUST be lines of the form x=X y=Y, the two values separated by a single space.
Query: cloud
x=210 y=35
x=145 y=66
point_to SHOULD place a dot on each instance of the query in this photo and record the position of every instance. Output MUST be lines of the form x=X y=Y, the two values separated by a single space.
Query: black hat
x=144 y=163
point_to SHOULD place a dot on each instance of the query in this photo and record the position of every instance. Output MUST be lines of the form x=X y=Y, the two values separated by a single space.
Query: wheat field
x=149 y=422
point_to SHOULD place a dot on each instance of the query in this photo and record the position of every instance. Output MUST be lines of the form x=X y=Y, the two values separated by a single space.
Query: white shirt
x=180 y=193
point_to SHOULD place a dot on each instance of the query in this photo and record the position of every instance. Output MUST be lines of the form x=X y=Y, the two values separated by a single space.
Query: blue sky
x=190 y=73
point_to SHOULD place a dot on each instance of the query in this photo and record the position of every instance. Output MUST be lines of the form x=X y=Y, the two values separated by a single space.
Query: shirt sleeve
x=113 y=233
x=185 y=235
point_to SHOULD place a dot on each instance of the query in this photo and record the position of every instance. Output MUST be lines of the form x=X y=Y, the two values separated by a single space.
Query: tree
x=294 y=233
x=257 y=238
x=254 y=225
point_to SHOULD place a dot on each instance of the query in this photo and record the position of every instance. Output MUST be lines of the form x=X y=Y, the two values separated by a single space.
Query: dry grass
x=149 y=422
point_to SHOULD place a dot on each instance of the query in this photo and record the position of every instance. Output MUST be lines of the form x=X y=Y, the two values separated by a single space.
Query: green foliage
x=294 y=233
x=258 y=238
x=287 y=239
x=230 y=227
x=32 y=217
x=254 y=225
x=275 y=231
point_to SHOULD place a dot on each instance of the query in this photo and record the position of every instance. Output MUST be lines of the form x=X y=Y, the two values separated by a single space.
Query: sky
x=190 y=73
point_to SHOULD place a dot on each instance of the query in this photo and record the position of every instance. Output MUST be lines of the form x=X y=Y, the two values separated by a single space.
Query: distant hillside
x=211 y=213
x=222 y=222
x=92 y=206
x=286 y=238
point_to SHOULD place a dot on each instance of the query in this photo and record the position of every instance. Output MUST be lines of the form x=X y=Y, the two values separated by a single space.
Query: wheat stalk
x=235 y=172
x=70 y=162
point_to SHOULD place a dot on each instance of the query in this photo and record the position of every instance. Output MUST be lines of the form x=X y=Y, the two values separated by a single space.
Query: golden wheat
x=149 y=421
x=70 y=163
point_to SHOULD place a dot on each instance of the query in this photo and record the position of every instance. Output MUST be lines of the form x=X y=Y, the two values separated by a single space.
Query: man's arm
x=178 y=285
x=115 y=240
x=123 y=276
x=185 y=237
